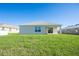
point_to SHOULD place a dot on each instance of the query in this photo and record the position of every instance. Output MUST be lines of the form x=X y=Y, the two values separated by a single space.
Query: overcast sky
x=17 y=14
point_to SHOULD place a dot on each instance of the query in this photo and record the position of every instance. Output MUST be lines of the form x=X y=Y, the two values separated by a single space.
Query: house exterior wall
x=26 y=29
x=13 y=30
x=55 y=31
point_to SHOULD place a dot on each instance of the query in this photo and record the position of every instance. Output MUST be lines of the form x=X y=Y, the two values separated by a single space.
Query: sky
x=23 y=13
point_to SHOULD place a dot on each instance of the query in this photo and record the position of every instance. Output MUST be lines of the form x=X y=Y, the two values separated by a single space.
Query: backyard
x=39 y=45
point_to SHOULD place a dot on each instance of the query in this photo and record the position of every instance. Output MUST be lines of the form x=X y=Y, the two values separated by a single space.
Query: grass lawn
x=39 y=45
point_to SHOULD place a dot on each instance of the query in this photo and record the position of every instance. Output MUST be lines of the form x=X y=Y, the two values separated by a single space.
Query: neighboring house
x=73 y=29
x=2 y=32
x=5 y=29
x=40 y=28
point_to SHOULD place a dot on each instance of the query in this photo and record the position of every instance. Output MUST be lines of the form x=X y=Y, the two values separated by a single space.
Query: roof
x=41 y=23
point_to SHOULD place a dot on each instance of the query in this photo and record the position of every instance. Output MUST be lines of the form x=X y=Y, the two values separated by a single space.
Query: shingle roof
x=42 y=23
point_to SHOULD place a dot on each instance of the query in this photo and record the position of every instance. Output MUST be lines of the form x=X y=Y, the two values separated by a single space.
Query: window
x=50 y=30
x=37 y=29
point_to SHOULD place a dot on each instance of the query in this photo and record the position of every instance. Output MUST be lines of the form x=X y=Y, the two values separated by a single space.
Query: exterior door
x=50 y=30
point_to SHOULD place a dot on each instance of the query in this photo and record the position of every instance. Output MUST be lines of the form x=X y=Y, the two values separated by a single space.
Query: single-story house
x=6 y=28
x=40 y=28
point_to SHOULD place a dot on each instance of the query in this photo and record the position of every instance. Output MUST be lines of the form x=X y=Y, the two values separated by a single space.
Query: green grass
x=39 y=45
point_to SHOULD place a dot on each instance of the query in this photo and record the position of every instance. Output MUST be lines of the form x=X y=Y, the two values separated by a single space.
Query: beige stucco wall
x=55 y=30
